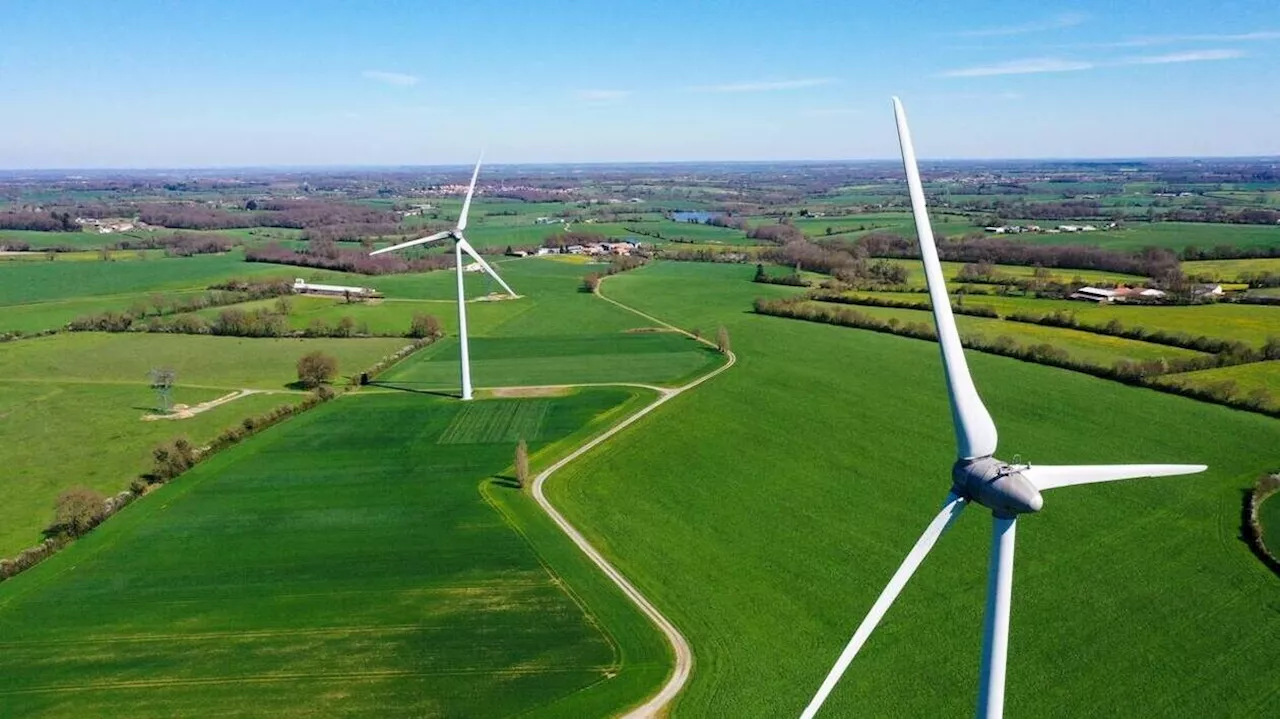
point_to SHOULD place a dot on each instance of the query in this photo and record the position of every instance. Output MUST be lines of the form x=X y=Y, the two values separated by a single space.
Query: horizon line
x=598 y=163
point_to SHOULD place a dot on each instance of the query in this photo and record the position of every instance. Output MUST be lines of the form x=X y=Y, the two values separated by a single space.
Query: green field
x=63 y=434
x=307 y=573
x=1252 y=324
x=1087 y=347
x=915 y=274
x=1247 y=378
x=72 y=407
x=200 y=360
x=1269 y=518
x=1231 y=270
x=765 y=510
x=1172 y=235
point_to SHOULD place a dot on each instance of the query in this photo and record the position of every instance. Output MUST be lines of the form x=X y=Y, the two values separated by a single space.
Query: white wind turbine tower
x=460 y=245
x=977 y=476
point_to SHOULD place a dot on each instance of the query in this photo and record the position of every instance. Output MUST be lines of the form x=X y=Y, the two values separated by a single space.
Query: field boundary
x=656 y=704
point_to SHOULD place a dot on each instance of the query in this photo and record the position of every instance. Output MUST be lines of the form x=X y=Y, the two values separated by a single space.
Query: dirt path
x=182 y=411
x=657 y=704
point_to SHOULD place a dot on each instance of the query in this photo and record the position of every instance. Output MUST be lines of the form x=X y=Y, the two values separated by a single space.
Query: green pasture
x=1246 y=377
x=1101 y=350
x=1231 y=270
x=765 y=510
x=1251 y=324
x=349 y=561
x=1172 y=235
x=62 y=433
x=199 y=360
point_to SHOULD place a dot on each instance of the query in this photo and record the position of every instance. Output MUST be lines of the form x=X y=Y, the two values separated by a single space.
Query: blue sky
x=162 y=83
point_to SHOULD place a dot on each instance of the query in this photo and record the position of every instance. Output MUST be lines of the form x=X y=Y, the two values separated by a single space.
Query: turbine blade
x=975 y=431
x=466 y=247
x=995 y=640
x=1051 y=477
x=950 y=510
x=411 y=243
x=466 y=204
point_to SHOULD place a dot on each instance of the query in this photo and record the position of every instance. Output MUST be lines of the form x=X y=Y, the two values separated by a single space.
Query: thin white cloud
x=1059 y=22
x=399 y=79
x=1261 y=35
x=765 y=86
x=1191 y=56
x=1030 y=66
x=603 y=95
x=832 y=111
x=1035 y=66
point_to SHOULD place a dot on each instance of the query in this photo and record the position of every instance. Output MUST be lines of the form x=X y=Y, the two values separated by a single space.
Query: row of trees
x=38 y=221
x=326 y=255
x=296 y=214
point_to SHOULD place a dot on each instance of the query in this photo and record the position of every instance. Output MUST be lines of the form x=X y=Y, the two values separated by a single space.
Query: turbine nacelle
x=996 y=485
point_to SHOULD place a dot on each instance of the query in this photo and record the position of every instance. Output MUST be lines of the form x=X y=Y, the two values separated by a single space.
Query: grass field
x=764 y=511
x=1247 y=377
x=71 y=407
x=1083 y=346
x=200 y=360
x=1172 y=235
x=59 y=435
x=915 y=274
x=1251 y=324
x=1269 y=518
x=1230 y=270
x=307 y=573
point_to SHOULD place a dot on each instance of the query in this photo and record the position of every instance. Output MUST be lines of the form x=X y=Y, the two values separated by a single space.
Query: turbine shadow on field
x=407 y=387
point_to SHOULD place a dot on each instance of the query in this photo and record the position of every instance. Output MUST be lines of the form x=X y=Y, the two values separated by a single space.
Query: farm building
x=1094 y=294
x=302 y=287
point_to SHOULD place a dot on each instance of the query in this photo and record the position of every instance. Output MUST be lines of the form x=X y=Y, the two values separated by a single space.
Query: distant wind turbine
x=977 y=476
x=460 y=245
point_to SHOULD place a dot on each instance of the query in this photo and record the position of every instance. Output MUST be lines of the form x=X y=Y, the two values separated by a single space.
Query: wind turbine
x=460 y=245
x=1008 y=490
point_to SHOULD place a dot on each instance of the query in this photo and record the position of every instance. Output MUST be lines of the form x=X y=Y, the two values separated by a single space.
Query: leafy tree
x=316 y=368
x=346 y=326
x=760 y=274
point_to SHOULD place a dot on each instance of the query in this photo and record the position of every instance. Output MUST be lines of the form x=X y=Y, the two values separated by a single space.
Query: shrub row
x=1266 y=486
x=980 y=311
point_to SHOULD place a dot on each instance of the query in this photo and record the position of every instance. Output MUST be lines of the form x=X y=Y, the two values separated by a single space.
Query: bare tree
x=522 y=464
x=77 y=511
x=722 y=340
x=316 y=368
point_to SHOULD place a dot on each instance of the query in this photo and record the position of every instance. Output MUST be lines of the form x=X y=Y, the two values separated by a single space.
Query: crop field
x=348 y=561
x=1083 y=346
x=1232 y=270
x=764 y=511
x=1247 y=377
x=1251 y=324
x=646 y=357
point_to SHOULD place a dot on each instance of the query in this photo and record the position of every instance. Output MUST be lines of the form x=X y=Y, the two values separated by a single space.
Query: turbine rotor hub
x=996 y=485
